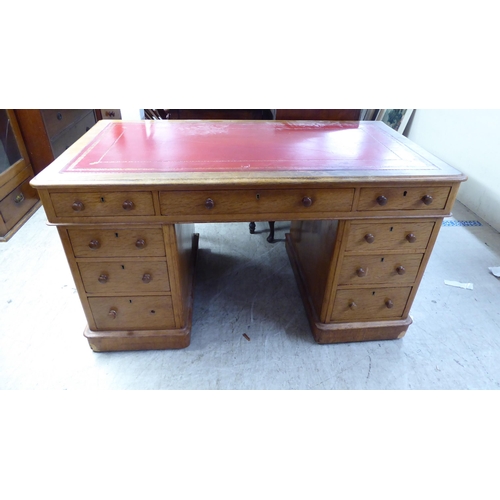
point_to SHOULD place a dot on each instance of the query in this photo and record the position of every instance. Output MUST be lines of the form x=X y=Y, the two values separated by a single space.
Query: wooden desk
x=366 y=205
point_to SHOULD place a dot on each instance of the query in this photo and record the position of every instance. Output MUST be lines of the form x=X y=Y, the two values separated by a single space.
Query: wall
x=468 y=140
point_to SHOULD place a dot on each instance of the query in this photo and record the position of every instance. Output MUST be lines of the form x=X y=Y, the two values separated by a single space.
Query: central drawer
x=124 y=277
x=133 y=313
x=97 y=242
x=103 y=204
x=254 y=201
x=372 y=304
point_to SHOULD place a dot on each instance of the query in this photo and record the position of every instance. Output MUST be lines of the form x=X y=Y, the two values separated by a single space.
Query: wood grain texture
x=370 y=269
x=357 y=304
x=103 y=204
x=403 y=198
x=250 y=203
x=314 y=244
x=124 y=277
x=388 y=235
x=133 y=312
x=118 y=242
x=138 y=340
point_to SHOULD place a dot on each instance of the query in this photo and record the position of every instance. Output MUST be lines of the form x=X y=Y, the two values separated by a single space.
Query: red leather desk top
x=235 y=146
x=241 y=153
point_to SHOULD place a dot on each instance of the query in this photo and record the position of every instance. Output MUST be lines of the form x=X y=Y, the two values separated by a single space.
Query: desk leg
x=314 y=249
x=181 y=247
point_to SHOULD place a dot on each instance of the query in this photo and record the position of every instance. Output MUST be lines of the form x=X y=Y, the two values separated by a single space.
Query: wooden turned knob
x=128 y=205
x=209 y=203
x=411 y=238
x=400 y=270
x=382 y=200
x=19 y=198
x=94 y=244
x=369 y=238
x=361 y=272
x=353 y=305
x=427 y=199
x=103 y=278
x=112 y=313
x=140 y=243
x=306 y=201
x=146 y=278
x=389 y=304
x=77 y=206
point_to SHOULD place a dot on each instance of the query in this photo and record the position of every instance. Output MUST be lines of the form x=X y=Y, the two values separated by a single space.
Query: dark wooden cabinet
x=49 y=132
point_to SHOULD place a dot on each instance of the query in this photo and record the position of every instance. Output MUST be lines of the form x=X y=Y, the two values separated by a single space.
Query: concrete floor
x=246 y=285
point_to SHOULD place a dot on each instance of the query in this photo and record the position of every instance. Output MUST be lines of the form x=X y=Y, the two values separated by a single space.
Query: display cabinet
x=18 y=200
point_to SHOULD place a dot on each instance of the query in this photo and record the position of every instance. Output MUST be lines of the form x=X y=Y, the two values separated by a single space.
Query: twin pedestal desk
x=366 y=206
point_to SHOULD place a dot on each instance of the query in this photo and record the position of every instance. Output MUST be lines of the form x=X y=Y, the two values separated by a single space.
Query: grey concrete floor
x=245 y=285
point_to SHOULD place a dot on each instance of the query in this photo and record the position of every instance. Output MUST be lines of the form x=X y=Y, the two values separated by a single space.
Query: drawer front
x=56 y=120
x=368 y=237
x=132 y=313
x=97 y=242
x=72 y=134
x=103 y=204
x=17 y=203
x=372 y=304
x=124 y=277
x=390 y=269
x=265 y=201
x=396 y=198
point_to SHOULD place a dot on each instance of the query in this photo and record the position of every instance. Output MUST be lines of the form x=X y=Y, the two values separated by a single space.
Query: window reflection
x=9 y=152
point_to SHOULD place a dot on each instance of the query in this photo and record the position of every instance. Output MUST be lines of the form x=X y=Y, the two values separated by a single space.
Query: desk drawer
x=97 y=242
x=368 y=237
x=104 y=204
x=133 y=313
x=369 y=269
x=124 y=277
x=372 y=304
x=255 y=201
x=400 y=198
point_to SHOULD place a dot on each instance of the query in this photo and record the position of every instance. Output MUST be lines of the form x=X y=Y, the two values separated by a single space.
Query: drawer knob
x=140 y=243
x=400 y=270
x=209 y=203
x=382 y=200
x=411 y=238
x=112 y=313
x=353 y=305
x=128 y=205
x=427 y=199
x=361 y=272
x=389 y=304
x=77 y=206
x=307 y=201
x=19 y=198
x=103 y=278
x=94 y=244
x=369 y=238
x=146 y=278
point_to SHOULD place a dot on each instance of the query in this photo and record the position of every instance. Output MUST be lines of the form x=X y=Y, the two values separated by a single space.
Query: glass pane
x=9 y=152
